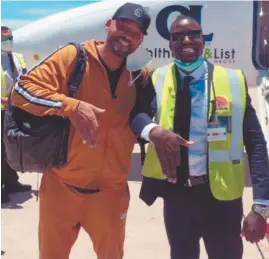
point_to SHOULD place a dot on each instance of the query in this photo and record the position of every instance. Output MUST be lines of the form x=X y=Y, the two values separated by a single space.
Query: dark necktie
x=184 y=119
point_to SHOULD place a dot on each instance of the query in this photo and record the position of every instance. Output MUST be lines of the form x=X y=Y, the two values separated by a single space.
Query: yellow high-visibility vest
x=4 y=89
x=226 y=159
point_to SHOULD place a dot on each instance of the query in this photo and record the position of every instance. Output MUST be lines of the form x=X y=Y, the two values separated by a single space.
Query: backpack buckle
x=72 y=88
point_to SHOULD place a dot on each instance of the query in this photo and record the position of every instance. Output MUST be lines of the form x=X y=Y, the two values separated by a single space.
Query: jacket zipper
x=61 y=151
x=63 y=158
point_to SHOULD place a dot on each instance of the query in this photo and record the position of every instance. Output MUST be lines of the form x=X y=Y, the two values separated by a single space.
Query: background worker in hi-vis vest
x=12 y=65
x=202 y=182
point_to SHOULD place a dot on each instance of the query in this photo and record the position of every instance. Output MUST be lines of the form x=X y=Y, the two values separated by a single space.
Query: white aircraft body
x=231 y=31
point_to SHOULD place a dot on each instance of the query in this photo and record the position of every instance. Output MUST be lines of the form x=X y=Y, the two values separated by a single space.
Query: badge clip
x=214 y=121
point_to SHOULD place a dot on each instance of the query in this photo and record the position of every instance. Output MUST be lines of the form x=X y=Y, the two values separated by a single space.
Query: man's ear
x=107 y=25
x=203 y=46
x=170 y=45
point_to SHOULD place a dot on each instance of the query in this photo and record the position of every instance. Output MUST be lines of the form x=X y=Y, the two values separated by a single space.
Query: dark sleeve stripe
x=43 y=60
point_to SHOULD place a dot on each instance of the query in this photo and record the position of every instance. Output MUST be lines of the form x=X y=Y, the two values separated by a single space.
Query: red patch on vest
x=222 y=103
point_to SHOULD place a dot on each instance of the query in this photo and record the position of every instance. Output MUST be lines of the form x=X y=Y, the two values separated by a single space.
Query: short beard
x=117 y=52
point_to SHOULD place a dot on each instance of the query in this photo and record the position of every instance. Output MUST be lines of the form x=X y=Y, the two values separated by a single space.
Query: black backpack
x=34 y=143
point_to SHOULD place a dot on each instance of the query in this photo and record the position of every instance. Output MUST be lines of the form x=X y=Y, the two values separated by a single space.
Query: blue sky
x=16 y=14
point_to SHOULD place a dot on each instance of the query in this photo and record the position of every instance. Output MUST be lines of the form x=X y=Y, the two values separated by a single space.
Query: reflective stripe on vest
x=159 y=83
x=226 y=158
x=237 y=114
x=4 y=90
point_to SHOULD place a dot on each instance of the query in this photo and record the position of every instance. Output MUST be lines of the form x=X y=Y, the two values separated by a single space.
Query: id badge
x=216 y=134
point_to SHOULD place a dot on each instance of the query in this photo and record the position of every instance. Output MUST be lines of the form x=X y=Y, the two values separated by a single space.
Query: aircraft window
x=262 y=55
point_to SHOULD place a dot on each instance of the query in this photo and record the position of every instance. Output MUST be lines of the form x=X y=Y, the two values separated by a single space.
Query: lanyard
x=214 y=120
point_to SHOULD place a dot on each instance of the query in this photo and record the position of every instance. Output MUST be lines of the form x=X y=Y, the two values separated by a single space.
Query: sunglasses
x=5 y=38
x=192 y=35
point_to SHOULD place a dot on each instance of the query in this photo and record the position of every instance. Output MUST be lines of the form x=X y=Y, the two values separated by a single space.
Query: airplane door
x=261 y=59
x=261 y=35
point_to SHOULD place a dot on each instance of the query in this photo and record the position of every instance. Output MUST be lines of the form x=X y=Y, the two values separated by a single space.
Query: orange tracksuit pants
x=63 y=211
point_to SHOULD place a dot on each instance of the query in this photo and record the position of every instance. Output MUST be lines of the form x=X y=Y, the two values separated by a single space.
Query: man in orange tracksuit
x=91 y=191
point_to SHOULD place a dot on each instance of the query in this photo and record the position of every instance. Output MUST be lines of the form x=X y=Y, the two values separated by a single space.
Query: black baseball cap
x=134 y=12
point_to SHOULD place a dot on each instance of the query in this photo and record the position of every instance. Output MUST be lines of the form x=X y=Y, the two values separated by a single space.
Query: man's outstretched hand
x=85 y=121
x=167 y=145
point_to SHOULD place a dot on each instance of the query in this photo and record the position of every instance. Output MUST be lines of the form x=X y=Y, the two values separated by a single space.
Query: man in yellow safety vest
x=202 y=181
x=12 y=66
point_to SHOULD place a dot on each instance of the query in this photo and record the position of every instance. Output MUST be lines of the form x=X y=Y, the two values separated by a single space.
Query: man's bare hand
x=85 y=121
x=167 y=145
x=4 y=100
x=254 y=227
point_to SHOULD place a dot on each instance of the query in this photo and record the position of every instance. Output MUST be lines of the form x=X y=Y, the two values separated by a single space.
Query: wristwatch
x=263 y=210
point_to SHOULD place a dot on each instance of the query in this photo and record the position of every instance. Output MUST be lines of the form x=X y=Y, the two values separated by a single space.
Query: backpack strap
x=73 y=84
x=78 y=71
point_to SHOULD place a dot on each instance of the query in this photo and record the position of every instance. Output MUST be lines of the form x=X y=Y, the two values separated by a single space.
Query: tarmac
x=145 y=234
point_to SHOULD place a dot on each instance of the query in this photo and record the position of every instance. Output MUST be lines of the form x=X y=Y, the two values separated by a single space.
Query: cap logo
x=138 y=12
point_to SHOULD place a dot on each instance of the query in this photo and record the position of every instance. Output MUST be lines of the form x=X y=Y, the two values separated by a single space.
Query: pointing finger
x=183 y=142
x=97 y=110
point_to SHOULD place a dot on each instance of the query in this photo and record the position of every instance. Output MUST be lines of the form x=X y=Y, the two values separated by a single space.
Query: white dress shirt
x=197 y=74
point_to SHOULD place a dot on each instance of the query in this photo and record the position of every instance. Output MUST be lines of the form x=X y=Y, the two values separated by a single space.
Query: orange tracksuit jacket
x=44 y=91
